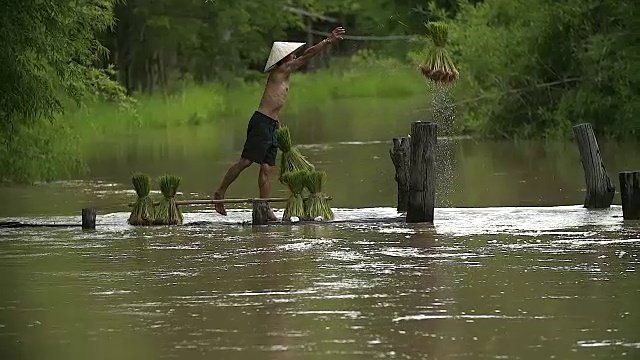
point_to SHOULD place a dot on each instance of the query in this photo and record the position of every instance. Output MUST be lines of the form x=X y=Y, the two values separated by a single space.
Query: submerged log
x=630 y=194
x=89 y=219
x=422 y=177
x=399 y=153
x=260 y=214
x=600 y=190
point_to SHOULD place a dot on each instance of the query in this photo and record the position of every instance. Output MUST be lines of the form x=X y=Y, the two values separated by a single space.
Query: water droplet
x=443 y=114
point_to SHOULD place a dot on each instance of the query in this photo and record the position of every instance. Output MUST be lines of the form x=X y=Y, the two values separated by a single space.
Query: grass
x=194 y=104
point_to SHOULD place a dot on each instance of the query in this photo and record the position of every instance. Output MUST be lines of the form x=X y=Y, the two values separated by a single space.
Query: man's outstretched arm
x=315 y=49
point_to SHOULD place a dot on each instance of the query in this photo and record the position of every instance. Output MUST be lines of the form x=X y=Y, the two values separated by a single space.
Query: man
x=261 y=144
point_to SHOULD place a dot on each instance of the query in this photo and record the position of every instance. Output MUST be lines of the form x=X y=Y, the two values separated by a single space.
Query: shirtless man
x=261 y=144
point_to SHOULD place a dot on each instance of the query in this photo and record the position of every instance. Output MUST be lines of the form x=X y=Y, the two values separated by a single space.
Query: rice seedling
x=167 y=212
x=316 y=204
x=142 y=213
x=295 y=180
x=438 y=66
x=291 y=159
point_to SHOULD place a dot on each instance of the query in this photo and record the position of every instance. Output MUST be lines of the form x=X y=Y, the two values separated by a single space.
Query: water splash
x=444 y=116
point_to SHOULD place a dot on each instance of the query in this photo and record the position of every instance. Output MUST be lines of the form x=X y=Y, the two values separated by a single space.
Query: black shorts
x=261 y=145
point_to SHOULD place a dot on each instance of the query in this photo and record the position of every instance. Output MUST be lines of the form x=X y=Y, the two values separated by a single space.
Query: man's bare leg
x=264 y=184
x=229 y=177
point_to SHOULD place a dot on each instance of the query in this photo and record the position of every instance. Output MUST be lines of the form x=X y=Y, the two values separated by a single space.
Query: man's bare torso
x=275 y=93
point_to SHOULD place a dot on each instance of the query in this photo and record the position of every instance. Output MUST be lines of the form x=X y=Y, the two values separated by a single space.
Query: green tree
x=48 y=50
x=533 y=68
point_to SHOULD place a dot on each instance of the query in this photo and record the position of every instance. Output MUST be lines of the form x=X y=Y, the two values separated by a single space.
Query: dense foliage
x=528 y=68
x=47 y=54
x=534 y=68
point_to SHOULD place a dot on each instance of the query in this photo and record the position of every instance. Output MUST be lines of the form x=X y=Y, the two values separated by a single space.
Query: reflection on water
x=358 y=175
x=554 y=282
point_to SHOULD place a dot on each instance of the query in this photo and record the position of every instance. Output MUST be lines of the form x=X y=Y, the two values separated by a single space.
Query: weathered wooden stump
x=88 y=219
x=422 y=176
x=600 y=190
x=630 y=194
x=399 y=153
x=259 y=215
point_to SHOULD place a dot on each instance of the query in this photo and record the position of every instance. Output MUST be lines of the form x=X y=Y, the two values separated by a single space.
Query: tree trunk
x=311 y=64
x=422 y=172
x=399 y=153
x=600 y=190
x=162 y=72
x=630 y=194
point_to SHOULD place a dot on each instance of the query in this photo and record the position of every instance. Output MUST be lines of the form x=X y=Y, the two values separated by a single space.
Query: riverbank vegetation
x=192 y=104
x=528 y=68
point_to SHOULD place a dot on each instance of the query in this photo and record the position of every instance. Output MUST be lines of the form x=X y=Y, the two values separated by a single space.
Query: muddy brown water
x=513 y=267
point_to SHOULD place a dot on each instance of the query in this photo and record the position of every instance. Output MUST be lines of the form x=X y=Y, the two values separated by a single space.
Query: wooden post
x=259 y=213
x=422 y=173
x=600 y=190
x=400 y=156
x=630 y=194
x=88 y=219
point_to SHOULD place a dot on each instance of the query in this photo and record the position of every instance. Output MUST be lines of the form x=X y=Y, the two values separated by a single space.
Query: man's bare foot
x=219 y=206
x=271 y=216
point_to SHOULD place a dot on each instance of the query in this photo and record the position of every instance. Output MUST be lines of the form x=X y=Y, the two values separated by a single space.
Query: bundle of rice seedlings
x=316 y=205
x=142 y=213
x=291 y=158
x=295 y=180
x=168 y=213
x=438 y=65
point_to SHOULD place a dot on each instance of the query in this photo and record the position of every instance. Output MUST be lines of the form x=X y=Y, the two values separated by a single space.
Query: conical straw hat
x=281 y=50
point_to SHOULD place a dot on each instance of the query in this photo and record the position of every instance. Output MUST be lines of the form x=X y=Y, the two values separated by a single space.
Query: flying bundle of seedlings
x=438 y=65
x=167 y=212
x=295 y=180
x=142 y=213
x=316 y=205
x=291 y=158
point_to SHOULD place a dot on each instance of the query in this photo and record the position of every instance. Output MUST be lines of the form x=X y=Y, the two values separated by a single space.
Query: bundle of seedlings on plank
x=167 y=212
x=317 y=206
x=142 y=213
x=294 y=207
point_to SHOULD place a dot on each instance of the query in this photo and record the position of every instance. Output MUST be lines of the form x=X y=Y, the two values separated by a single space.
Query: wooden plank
x=226 y=201
x=17 y=224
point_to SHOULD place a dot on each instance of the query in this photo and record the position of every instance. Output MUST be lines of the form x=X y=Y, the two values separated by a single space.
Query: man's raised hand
x=336 y=34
